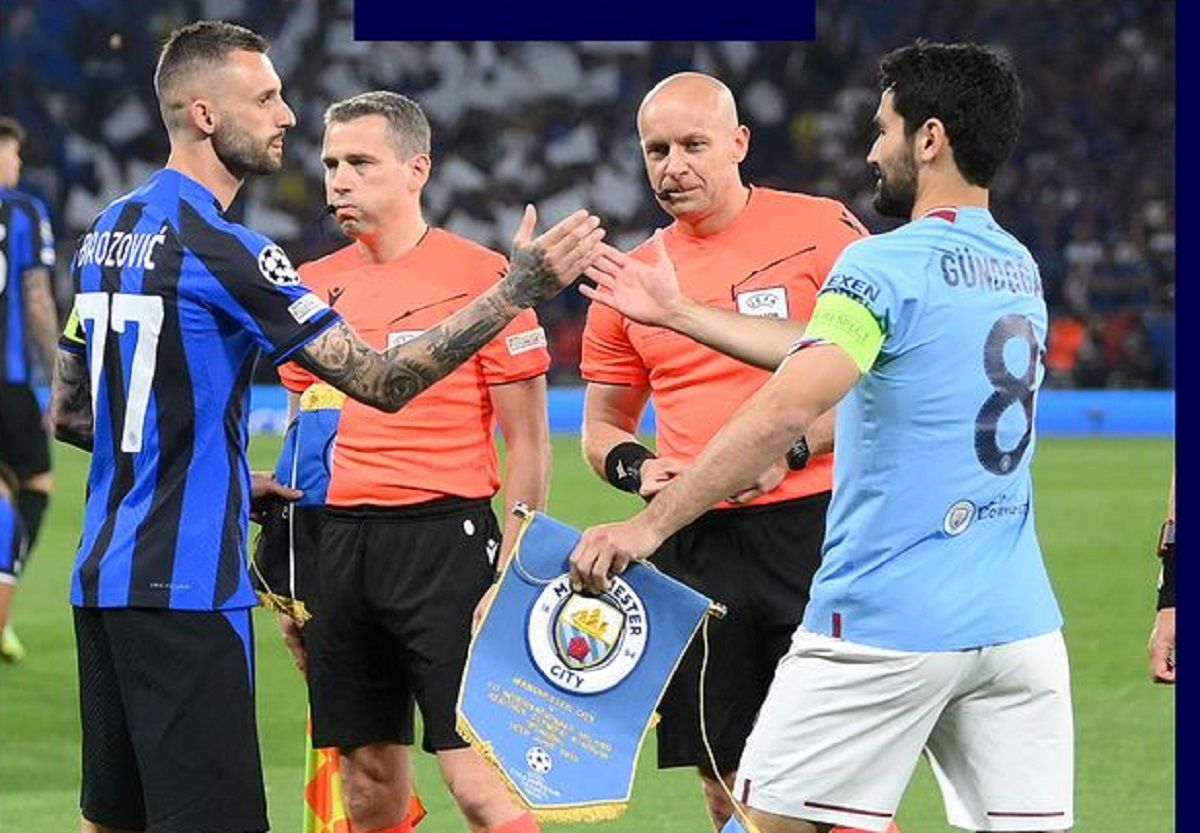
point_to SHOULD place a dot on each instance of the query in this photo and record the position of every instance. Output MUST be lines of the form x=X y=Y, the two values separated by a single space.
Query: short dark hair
x=10 y=128
x=972 y=89
x=406 y=121
x=204 y=44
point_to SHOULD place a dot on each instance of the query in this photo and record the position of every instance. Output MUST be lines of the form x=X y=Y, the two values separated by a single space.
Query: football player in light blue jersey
x=932 y=625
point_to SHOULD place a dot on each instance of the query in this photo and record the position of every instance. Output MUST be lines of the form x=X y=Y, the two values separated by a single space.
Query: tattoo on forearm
x=71 y=401
x=390 y=379
x=530 y=279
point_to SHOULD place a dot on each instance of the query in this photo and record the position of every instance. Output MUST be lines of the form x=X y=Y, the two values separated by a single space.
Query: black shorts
x=285 y=549
x=166 y=700
x=24 y=447
x=759 y=562
x=392 y=603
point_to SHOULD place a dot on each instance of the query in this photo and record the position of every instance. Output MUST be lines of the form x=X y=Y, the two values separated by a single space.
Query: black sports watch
x=798 y=454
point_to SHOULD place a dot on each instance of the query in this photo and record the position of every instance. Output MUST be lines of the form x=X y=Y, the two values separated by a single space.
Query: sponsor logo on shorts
x=274 y=264
x=526 y=341
x=305 y=307
x=764 y=303
x=586 y=644
x=958 y=518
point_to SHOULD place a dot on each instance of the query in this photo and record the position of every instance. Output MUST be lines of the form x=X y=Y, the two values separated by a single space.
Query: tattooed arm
x=71 y=400
x=41 y=316
x=389 y=379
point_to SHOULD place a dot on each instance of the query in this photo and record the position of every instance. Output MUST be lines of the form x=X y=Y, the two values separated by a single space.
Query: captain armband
x=841 y=320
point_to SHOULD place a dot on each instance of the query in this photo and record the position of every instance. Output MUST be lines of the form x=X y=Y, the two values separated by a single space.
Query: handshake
x=646 y=291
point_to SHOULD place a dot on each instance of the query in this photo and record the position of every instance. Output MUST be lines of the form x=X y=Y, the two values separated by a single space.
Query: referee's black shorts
x=391 y=604
x=166 y=699
x=759 y=561
x=24 y=446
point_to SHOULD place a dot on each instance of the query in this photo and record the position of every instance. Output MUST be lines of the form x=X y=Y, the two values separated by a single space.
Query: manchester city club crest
x=586 y=644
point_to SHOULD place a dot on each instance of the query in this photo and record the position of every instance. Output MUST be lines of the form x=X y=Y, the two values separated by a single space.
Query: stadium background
x=1090 y=190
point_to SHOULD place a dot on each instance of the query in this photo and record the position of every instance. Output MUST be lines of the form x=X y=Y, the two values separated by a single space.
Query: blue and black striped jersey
x=26 y=242
x=173 y=306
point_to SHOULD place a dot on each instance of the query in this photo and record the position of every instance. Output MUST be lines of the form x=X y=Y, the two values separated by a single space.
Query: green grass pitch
x=1099 y=505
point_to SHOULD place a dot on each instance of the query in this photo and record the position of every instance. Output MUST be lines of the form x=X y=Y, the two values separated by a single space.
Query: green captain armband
x=841 y=320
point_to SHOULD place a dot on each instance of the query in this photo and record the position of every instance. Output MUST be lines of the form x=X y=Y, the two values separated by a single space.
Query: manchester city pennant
x=560 y=687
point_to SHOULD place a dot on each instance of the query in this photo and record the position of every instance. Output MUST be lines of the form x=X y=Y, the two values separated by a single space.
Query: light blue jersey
x=930 y=542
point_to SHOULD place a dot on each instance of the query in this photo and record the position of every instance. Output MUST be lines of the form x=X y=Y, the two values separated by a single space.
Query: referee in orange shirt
x=409 y=543
x=756 y=251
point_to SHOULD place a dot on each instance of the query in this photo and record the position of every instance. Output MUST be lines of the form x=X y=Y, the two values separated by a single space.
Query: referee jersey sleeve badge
x=561 y=687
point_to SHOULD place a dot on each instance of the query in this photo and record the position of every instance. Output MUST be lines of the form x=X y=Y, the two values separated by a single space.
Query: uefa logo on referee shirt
x=586 y=644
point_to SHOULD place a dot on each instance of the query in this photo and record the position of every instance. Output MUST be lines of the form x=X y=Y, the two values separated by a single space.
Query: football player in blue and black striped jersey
x=174 y=304
x=28 y=329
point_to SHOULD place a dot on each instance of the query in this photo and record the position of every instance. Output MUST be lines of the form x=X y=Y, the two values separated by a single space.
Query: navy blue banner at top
x=522 y=20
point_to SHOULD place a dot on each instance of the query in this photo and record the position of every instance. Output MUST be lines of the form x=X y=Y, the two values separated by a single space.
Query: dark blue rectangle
x=510 y=20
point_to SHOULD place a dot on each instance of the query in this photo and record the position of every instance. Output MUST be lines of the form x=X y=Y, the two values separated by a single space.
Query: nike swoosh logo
x=335 y=294
x=415 y=310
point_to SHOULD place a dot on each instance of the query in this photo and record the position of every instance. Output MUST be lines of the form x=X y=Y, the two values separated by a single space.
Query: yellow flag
x=324 y=808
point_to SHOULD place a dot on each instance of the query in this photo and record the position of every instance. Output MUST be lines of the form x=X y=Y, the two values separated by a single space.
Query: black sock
x=31 y=506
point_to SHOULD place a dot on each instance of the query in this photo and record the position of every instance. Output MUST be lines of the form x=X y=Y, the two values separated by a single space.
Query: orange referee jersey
x=441 y=443
x=770 y=261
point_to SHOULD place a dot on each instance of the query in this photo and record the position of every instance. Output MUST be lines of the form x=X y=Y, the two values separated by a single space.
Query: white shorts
x=843 y=724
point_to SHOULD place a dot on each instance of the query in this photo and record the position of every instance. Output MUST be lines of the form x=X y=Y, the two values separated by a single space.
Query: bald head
x=695 y=92
x=692 y=145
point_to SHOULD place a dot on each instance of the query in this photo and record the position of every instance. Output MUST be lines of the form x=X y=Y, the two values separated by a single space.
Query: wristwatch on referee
x=797 y=456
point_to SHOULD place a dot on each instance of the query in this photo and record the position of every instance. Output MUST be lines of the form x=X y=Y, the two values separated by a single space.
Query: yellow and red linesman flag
x=324 y=809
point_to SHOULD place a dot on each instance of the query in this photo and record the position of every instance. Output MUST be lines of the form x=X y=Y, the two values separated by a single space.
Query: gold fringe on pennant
x=551 y=815
x=285 y=605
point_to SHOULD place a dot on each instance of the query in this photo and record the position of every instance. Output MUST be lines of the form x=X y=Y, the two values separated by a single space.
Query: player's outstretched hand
x=263 y=488
x=647 y=293
x=606 y=550
x=1162 y=647
x=542 y=266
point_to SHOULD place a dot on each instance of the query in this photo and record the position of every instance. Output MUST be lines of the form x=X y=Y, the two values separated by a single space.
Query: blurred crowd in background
x=1090 y=189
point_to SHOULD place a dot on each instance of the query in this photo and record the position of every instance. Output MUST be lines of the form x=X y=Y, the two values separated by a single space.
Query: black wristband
x=797 y=456
x=1166 y=580
x=623 y=465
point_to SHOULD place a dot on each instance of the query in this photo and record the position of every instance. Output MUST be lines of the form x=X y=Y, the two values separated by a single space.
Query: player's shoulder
x=26 y=203
x=914 y=239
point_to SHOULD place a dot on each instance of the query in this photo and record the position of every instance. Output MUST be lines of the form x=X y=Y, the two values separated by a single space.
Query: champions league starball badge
x=586 y=644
